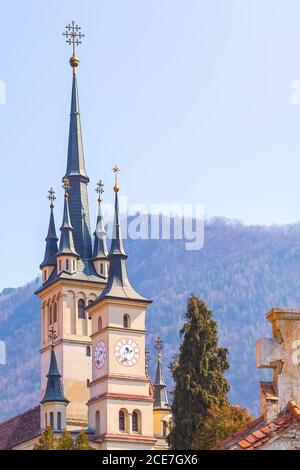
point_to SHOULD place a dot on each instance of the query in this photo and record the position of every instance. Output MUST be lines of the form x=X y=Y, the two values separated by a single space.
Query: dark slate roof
x=54 y=391
x=20 y=429
x=51 y=243
x=78 y=202
x=75 y=164
x=118 y=285
x=66 y=244
x=100 y=237
x=160 y=389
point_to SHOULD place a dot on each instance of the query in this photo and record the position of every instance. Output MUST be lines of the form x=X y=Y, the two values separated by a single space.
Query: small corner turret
x=100 y=251
x=49 y=262
x=66 y=256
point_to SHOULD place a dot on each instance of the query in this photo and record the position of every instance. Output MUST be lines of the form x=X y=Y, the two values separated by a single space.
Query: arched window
x=88 y=351
x=46 y=420
x=101 y=268
x=99 y=324
x=50 y=315
x=164 y=428
x=45 y=275
x=59 y=420
x=122 y=420
x=51 y=419
x=97 y=422
x=59 y=265
x=81 y=311
x=74 y=266
x=67 y=264
x=126 y=321
x=90 y=302
x=135 y=421
x=55 y=313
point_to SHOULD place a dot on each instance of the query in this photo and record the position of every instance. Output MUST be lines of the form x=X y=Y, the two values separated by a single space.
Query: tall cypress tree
x=198 y=372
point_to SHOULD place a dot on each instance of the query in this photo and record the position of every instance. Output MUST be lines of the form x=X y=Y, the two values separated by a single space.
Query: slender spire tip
x=116 y=170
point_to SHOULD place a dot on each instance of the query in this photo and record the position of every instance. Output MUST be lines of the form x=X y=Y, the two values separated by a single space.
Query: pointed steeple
x=51 y=239
x=160 y=388
x=75 y=164
x=78 y=201
x=54 y=391
x=100 y=244
x=118 y=285
x=66 y=244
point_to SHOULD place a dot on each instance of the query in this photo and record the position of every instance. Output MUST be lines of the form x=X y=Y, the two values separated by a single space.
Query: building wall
x=73 y=338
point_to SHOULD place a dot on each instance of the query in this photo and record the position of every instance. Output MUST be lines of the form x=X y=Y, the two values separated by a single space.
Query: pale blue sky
x=192 y=98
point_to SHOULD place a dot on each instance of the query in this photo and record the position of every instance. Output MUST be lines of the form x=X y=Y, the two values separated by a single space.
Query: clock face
x=127 y=352
x=100 y=354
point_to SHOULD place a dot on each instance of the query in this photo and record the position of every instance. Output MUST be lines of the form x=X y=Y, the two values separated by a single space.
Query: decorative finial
x=52 y=336
x=73 y=36
x=99 y=189
x=66 y=186
x=51 y=197
x=159 y=346
x=147 y=359
x=116 y=170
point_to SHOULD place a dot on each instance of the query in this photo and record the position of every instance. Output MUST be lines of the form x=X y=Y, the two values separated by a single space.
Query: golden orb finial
x=74 y=62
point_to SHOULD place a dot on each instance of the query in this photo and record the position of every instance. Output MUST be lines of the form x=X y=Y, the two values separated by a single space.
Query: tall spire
x=118 y=284
x=51 y=239
x=66 y=244
x=78 y=201
x=100 y=244
x=160 y=388
x=54 y=391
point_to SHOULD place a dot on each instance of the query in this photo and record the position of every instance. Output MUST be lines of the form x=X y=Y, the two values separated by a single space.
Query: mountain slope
x=241 y=273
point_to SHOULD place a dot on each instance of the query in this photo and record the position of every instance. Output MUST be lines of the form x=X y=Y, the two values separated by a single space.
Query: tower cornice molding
x=84 y=342
x=61 y=282
x=130 y=378
x=121 y=397
x=95 y=306
x=119 y=329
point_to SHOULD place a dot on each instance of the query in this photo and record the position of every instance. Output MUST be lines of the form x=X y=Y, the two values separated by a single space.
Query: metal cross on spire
x=73 y=35
x=51 y=197
x=159 y=345
x=100 y=190
x=66 y=185
x=116 y=170
x=52 y=335
x=147 y=359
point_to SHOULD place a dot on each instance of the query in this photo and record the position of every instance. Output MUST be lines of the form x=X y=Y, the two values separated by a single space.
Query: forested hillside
x=241 y=273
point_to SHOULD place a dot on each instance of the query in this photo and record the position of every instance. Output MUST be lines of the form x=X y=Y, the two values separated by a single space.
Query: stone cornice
x=119 y=329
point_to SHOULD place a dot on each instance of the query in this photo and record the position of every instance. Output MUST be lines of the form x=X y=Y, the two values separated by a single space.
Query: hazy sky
x=191 y=98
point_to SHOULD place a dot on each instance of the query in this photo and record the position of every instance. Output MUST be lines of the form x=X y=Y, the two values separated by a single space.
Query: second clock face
x=127 y=352
x=100 y=354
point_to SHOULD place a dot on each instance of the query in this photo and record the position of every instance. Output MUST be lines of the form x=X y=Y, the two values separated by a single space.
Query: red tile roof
x=259 y=432
x=21 y=428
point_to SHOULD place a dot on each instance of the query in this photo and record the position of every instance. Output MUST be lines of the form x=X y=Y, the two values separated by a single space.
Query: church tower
x=70 y=280
x=161 y=406
x=54 y=403
x=121 y=404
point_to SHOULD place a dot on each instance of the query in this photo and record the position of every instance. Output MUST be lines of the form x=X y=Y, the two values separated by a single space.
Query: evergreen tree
x=82 y=442
x=47 y=441
x=198 y=373
x=220 y=423
x=66 y=441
